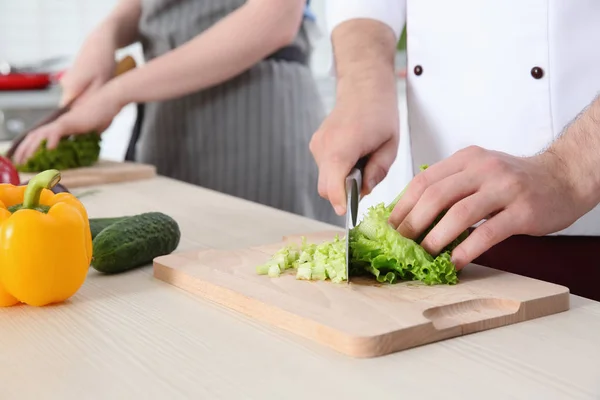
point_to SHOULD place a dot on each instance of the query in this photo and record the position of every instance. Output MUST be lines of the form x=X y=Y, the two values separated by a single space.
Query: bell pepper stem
x=43 y=180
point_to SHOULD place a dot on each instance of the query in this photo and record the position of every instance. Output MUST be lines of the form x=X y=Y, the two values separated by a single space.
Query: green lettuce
x=376 y=249
x=311 y=261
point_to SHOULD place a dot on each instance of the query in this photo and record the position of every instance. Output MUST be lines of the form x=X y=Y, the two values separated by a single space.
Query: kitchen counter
x=46 y=98
x=130 y=336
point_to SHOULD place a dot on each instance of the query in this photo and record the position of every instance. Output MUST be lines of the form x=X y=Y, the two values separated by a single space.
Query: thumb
x=379 y=165
x=335 y=178
x=64 y=126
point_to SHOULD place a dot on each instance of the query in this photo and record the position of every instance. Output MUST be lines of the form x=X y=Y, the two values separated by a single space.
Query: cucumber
x=134 y=241
x=98 y=224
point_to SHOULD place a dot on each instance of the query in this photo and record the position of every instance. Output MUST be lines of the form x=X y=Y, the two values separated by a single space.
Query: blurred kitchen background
x=32 y=31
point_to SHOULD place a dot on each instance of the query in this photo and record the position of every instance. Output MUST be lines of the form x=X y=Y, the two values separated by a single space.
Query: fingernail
x=339 y=210
x=455 y=260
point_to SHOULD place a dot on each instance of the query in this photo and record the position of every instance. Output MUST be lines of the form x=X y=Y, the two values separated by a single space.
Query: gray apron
x=248 y=137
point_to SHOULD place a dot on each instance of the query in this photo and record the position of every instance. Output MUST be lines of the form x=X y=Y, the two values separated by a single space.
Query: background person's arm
x=228 y=48
x=95 y=62
x=123 y=21
x=364 y=120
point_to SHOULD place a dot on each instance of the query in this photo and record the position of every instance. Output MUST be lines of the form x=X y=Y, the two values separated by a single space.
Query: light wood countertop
x=130 y=336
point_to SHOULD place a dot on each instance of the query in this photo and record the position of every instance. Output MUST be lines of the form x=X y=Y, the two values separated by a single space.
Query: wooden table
x=130 y=336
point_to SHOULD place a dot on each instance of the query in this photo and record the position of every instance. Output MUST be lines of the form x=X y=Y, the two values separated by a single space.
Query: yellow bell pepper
x=45 y=243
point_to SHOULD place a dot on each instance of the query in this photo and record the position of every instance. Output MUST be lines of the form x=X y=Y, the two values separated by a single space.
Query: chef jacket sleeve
x=390 y=12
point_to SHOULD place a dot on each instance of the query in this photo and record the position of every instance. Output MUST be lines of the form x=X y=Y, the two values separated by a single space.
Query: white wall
x=32 y=29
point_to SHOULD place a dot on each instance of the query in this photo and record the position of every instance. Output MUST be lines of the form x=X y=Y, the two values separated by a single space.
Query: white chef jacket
x=504 y=75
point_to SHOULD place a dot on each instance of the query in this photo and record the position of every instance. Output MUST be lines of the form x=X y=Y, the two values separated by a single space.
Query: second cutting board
x=363 y=319
x=103 y=172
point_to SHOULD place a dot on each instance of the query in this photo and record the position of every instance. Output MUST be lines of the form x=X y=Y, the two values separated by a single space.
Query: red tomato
x=8 y=172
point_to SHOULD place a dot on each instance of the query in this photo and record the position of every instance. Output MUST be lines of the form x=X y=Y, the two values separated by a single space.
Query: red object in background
x=25 y=81
x=8 y=172
x=31 y=81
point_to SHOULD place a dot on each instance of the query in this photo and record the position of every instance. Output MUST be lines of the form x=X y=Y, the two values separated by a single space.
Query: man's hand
x=364 y=121
x=533 y=196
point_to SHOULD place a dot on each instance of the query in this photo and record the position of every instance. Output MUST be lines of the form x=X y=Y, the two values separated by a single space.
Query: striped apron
x=248 y=137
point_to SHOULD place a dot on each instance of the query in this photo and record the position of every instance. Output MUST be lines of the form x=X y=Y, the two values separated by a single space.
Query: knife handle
x=361 y=163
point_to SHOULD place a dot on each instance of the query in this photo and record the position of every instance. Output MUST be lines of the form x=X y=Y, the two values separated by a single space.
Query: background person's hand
x=95 y=113
x=533 y=196
x=93 y=67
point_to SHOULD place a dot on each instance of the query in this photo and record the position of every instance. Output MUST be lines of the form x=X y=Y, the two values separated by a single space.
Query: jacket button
x=537 y=72
x=418 y=70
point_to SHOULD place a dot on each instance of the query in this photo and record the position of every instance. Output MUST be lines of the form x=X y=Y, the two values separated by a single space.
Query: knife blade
x=353 y=188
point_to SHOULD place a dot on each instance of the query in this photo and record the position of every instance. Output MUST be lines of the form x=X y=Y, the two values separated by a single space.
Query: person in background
x=229 y=100
x=490 y=85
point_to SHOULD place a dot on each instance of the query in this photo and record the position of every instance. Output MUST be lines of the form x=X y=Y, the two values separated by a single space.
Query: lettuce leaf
x=376 y=249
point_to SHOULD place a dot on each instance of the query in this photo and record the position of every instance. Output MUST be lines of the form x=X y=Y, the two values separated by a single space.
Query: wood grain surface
x=103 y=172
x=131 y=336
x=365 y=318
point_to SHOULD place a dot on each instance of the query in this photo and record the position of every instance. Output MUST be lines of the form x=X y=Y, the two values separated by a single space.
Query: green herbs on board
x=72 y=152
x=376 y=250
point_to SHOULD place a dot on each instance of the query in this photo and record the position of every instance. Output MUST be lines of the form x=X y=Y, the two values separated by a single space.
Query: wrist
x=578 y=149
x=116 y=92
x=574 y=174
x=378 y=83
x=365 y=60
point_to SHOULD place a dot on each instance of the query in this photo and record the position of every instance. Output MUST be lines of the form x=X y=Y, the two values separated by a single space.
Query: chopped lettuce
x=376 y=249
x=311 y=261
x=279 y=262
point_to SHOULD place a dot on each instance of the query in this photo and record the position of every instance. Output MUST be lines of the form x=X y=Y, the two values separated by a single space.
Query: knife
x=123 y=66
x=353 y=188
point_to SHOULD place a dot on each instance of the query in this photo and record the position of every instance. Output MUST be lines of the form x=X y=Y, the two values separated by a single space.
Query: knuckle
x=461 y=211
x=395 y=217
x=432 y=193
x=471 y=151
x=512 y=183
x=495 y=165
x=526 y=216
x=337 y=157
x=419 y=183
x=407 y=227
x=432 y=243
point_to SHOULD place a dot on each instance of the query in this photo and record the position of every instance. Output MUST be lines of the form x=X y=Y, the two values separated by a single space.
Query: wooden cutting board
x=102 y=172
x=363 y=319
